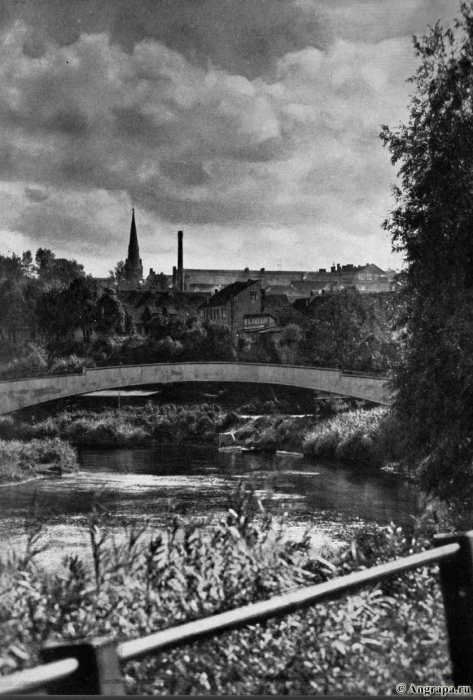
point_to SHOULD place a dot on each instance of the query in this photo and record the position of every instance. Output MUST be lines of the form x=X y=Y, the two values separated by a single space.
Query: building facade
x=239 y=306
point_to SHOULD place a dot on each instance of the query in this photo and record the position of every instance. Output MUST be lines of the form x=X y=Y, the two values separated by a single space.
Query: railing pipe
x=34 y=678
x=279 y=605
x=93 y=667
x=456 y=579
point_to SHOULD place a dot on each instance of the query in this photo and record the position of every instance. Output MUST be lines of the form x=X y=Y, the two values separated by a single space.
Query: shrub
x=32 y=361
x=23 y=459
x=361 y=644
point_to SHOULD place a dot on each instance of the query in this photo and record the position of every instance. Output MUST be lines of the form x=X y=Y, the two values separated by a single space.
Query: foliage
x=20 y=460
x=31 y=360
x=350 y=331
x=431 y=225
x=13 y=308
x=124 y=426
x=363 y=436
x=111 y=314
x=118 y=272
x=171 y=341
x=57 y=272
x=274 y=432
x=143 y=582
x=290 y=342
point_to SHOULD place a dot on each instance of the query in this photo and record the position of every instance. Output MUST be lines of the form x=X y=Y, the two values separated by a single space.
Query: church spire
x=133 y=266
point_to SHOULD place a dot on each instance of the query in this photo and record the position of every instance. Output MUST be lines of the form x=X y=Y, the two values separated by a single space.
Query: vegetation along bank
x=22 y=461
x=362 y=436
x=360 y=644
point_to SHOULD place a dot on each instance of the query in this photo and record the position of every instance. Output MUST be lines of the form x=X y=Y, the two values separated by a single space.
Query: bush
x=70 y=364
x=20 y=460
x=361 y=644
x=32 y=361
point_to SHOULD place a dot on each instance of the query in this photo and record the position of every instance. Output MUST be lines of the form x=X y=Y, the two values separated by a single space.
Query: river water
x=149 y=485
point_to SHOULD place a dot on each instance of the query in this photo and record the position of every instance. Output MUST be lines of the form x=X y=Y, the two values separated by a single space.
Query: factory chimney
x=180 y=262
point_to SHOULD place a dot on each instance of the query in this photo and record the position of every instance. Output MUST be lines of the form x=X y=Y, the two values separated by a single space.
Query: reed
x=361 y=436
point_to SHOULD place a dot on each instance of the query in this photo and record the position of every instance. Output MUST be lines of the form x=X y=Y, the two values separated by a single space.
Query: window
x=369 y=276
x=224 y=313
x=253 y=296
x=361 y=277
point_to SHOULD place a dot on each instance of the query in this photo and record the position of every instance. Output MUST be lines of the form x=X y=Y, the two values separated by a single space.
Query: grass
x=126 y=426
x=361 y=436
x=361 y=644
x=276 y=432
x=24 y=460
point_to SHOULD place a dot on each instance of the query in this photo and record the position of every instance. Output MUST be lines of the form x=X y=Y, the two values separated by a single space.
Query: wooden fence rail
x=93 y=667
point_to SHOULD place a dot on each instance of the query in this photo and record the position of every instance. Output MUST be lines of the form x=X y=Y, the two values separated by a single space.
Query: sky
x=251 y=125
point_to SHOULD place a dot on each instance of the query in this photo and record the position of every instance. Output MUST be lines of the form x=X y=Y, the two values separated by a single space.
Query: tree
x=13 y=309
x=292 y=336
x=56 y=271
x=111 y=314
x=81 y=304
x=62 y=311
x=348 y=331
x=432 y=224
x=11 y=267
x=118 y=272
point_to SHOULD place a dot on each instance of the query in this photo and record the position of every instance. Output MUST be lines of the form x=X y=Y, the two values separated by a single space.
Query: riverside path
x=20 y=393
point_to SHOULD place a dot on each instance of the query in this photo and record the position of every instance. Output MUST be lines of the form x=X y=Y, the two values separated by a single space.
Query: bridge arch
x=20 y=393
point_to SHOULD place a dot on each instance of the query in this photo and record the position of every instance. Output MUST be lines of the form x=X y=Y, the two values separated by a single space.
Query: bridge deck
x=19 y=393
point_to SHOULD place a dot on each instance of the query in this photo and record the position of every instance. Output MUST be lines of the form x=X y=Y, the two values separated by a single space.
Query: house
x=239 y=306
x=149 y=308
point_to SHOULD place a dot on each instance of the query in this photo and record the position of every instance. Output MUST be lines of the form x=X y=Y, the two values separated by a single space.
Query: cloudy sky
x=252 y=125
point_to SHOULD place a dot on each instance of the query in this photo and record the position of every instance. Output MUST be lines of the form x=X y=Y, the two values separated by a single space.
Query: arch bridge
x=20 y=393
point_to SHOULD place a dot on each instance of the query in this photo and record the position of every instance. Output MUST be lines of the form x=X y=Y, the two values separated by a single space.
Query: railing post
x=99 y=670
x=456 y=578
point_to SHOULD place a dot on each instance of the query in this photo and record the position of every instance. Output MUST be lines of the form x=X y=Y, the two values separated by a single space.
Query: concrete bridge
x=19 y=393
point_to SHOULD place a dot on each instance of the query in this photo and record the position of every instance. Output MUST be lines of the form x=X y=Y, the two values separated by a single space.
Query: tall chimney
x=180 y=263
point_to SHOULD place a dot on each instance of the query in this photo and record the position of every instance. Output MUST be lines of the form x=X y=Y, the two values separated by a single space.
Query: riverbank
x=364 y=437
x=167 y=424
x=23 y=461
x=361 y=437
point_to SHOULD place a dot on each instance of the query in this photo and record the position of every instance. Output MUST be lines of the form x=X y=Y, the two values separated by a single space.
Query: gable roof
x=222 y=297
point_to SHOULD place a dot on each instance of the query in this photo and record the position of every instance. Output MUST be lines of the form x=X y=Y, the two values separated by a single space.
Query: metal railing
x=93 y=667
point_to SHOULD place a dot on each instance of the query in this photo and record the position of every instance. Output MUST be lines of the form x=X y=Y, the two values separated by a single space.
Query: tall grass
x=126 y=426
x=364 y=436
x=362 y=644
x=275 y=432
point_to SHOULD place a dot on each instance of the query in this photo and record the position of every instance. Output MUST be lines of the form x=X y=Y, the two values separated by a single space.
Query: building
x=294 y=284
x=133 y=271
x=239 y=306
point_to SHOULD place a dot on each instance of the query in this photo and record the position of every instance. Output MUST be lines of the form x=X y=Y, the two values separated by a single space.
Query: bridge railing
x=93 y=667
x=85 y=370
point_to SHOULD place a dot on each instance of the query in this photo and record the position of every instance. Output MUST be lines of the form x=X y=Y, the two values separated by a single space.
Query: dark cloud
x=244 y=37
x=185 y=173
x=35 y=195
x=131 y=123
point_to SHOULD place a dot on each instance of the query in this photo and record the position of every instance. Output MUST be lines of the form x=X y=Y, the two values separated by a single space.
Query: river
x=149 y=485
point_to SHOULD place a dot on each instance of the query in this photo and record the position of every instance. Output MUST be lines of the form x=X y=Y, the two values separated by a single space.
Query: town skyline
x=251 y=126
